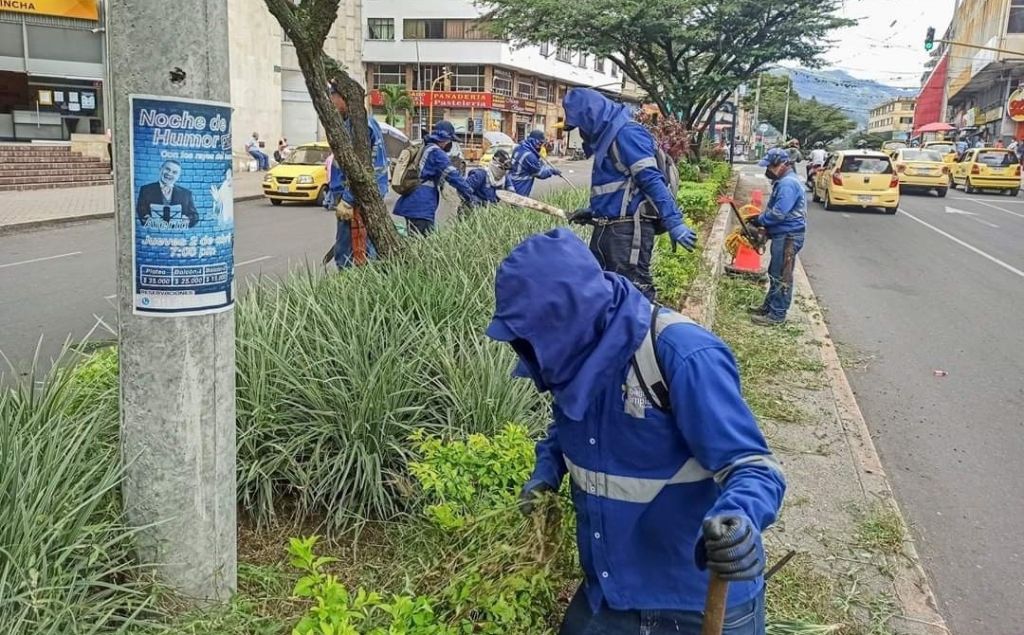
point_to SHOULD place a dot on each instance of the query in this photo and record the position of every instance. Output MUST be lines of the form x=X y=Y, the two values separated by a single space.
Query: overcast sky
x=887 y=44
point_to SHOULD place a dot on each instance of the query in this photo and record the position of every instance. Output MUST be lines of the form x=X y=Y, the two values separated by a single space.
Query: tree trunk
x=307 y=26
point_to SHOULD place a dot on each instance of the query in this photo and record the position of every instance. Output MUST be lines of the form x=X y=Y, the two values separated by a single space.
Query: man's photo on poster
x=164 y=204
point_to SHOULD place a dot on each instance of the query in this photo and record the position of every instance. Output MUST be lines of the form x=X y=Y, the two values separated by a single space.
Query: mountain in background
x=838 y=88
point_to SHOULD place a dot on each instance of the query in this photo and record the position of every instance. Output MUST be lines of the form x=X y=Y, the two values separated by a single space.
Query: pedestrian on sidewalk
x=352 y=241
x=419 y=207
x=630 y=199
x=252 y=146
x=785 y=219
x=662 y=494
x=527 y=164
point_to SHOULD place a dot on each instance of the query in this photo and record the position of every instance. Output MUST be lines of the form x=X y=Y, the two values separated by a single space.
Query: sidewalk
x=856 y=563
x=36 y=208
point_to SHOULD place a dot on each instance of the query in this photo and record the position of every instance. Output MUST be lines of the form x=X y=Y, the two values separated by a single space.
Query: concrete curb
x=68 y=220
x=912 y=588
x=699 y=302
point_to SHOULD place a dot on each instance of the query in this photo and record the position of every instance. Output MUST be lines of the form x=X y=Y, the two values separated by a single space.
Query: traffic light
x=929 y=39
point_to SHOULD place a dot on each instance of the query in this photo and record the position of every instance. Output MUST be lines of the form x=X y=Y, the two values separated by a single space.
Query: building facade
x=893 y=119
x=444 y=56
x=53 y=65
x=981 y=82
x=51 y=70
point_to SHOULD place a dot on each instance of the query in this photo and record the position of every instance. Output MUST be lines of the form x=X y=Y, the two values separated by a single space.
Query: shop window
x=388 y=75
x=381 y=28
x=1016 y=23
x=564 y=55
x=423 y=30
x=524 y=89
x=502 y=84
x=468 y=78
x=543 y=91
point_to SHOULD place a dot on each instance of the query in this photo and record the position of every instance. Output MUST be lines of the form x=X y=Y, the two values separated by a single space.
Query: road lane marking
x=253 y=261
x=110 y=297
x=953 y=210
x=985 y=222
x=1017 y=214
x=28 y=262
x=969 y=246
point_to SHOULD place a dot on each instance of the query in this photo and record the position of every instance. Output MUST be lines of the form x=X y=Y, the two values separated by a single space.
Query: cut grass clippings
x=769 y=358
x=881 y=530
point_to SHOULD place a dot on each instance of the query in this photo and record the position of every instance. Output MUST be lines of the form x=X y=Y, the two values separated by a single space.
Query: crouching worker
x=527 y=165
x=485 y=182
x=671 y=478
x=352 y=242
x=419 y=206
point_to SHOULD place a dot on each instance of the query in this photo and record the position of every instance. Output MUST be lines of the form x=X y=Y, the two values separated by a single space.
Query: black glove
x=731 y=547
x=583 y=216
x=533 y=494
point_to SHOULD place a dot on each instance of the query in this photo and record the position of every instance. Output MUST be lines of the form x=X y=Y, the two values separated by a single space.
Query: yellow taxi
x=922 y=168
x=488 y=155
x=301 y=177
x=988 y=169
x=858 y=178
x=946 y=148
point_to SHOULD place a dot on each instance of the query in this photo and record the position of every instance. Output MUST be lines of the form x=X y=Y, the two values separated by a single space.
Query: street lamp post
x=430 y=120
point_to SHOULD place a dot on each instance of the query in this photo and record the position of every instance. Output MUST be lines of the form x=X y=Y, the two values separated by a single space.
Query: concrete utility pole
x=757 y=113
x=177 y=373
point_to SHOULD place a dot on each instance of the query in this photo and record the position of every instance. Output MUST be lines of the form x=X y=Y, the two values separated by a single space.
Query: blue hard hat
x=773 y=157
x=444 y=130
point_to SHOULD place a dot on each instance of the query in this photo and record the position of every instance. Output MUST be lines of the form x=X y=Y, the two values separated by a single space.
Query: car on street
x=988 y=169
x=921 y=169
x=858 y=178
x=302 y=177
x=946 y=148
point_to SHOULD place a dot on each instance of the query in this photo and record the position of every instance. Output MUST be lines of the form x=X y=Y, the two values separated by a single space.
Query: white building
x=412 y=43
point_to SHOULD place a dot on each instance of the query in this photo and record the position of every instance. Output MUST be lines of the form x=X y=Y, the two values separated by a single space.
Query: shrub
x=698 y=200
x=673 y=271
x=688 y=172
x=64 y=554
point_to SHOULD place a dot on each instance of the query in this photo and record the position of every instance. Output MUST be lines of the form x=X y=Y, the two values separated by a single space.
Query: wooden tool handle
x=714 y=606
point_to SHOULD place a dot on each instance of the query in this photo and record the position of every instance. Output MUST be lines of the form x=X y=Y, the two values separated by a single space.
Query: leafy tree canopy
x=688 y=55
x=809 y=120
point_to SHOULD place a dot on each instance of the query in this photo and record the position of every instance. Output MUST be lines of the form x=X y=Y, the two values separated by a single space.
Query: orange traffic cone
x=757 y=199
x=747 y=262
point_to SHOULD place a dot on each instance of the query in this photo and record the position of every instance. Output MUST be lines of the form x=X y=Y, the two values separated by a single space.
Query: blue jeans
x=262 y=160
x=780 y=274
x=343 y=253
x=612 y=245
x=746 y=619
x=419 y=226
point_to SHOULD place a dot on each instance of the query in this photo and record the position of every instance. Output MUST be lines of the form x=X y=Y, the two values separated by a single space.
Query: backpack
x=406 y=175
x=645 y=361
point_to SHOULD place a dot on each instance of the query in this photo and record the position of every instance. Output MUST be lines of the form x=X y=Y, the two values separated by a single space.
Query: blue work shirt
x=786 y=211
x=527 y=166
x=422 y=202
x=338 y=184
x=624 y=159
x=479 y=180
x=643 y=479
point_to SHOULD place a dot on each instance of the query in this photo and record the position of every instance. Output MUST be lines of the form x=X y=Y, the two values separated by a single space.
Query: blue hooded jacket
x=422 y=202
x=339 y=182
x=527 y=166
x=786 y=211
x=602 y=122
x=642 y=485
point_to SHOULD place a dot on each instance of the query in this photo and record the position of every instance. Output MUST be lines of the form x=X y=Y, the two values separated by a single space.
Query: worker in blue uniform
x=419 y=207
x=629 y=196
x=527 y=164
x=785 y=219
x=352 y=242
x=662 y=495
x=486 y=182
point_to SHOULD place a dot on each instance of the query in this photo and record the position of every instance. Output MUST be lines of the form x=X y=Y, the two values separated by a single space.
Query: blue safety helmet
x=774 y=157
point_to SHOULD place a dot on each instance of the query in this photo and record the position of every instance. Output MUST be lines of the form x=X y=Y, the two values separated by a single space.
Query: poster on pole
x=184 y=224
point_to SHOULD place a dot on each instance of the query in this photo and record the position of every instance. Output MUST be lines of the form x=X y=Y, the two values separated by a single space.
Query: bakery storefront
x=51 y=69
x=471 y=113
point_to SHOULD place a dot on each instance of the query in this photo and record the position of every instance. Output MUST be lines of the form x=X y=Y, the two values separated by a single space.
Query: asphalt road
x=58 y=284
x=928 y=304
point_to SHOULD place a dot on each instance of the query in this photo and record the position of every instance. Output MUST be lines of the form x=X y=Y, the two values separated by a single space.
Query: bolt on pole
x=169 y=83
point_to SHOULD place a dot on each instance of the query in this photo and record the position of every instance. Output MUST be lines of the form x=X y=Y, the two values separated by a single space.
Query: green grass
x=769 y=358
x=881 y=530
